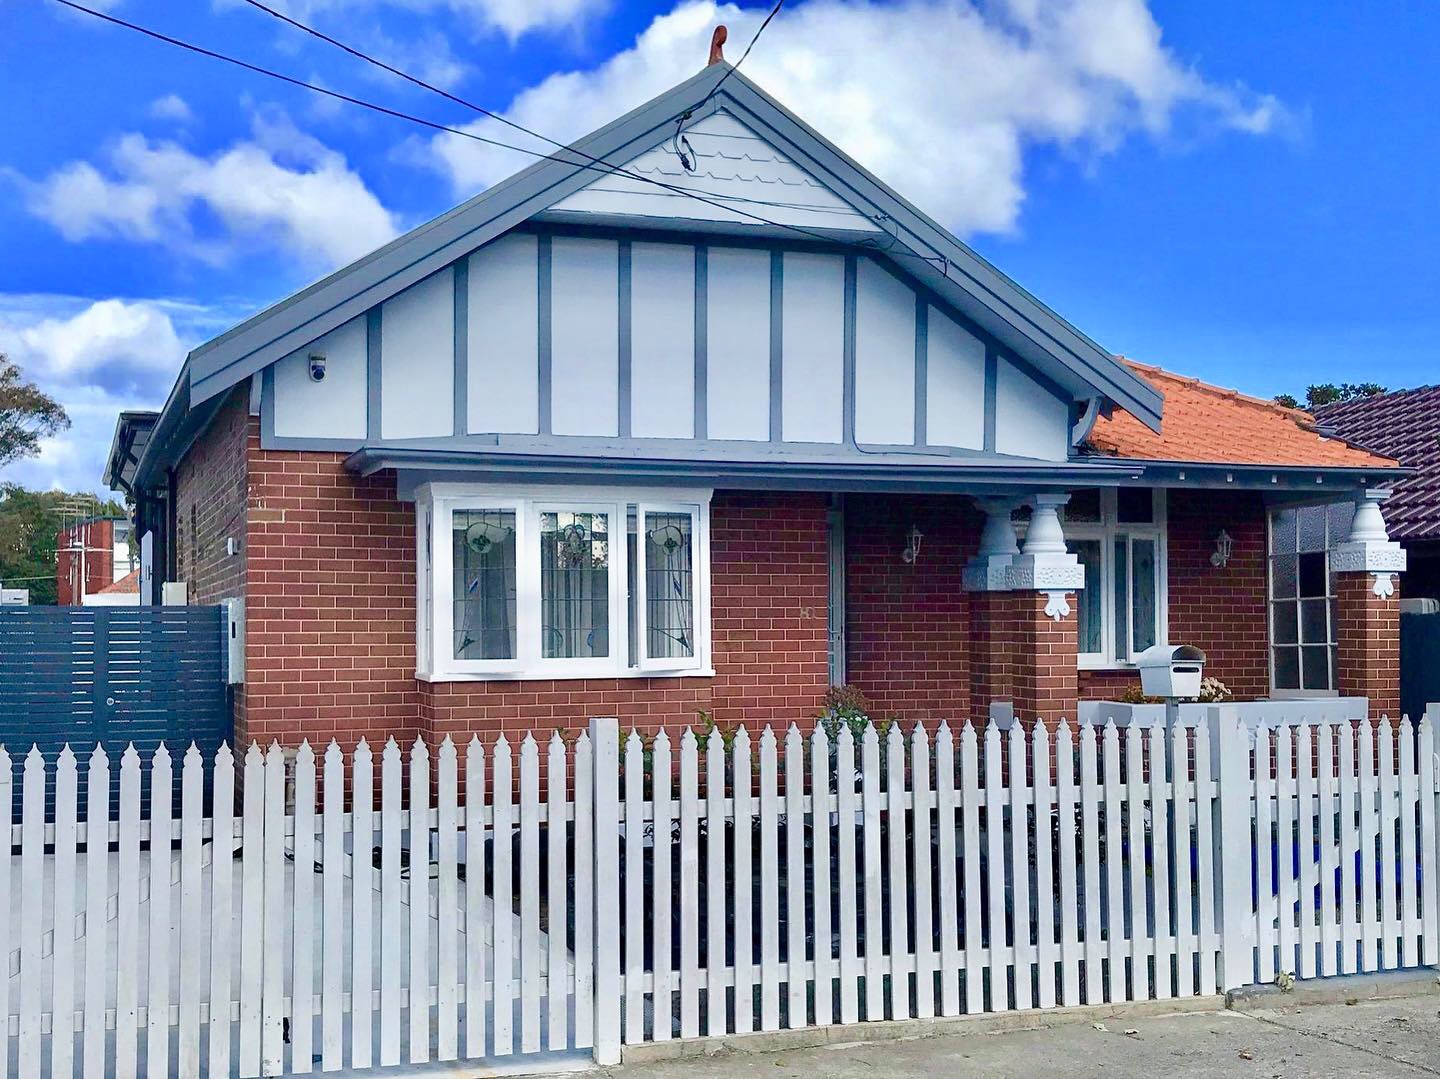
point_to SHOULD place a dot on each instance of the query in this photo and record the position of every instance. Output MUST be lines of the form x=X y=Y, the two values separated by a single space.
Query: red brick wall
x=1219 y=610
x=330 y=609
x=769 y=573
x=908 y=625
x=98 y=561
x=210 y=505
x=1368 y=633
x=328 y=564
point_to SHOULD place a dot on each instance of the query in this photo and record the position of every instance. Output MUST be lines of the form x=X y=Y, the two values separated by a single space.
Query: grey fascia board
x=319 y=308
x=979 y=278
x=1209 y=474
x=809 y=472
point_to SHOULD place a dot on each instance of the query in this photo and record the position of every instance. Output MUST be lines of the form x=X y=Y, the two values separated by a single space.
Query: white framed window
x=561 y=582
x=1302 y=597
x=1118 y=534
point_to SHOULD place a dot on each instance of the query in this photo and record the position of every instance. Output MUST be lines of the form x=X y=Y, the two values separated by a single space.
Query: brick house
x=712 y=432
x=90 y=555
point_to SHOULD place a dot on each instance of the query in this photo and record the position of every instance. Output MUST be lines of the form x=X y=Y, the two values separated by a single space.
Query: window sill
x=1105 y=666
x=560 y=676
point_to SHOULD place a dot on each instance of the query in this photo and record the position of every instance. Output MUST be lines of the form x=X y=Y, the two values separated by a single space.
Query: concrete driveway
x=1398 y=1037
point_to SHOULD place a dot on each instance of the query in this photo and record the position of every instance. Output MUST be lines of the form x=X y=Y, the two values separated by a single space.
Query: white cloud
x=96 y=357
x=939 y=99
x=513 y=18
x=279 y=188
x=171 y=107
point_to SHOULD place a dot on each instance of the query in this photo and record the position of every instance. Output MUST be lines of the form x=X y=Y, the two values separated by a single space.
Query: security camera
x=317 y=367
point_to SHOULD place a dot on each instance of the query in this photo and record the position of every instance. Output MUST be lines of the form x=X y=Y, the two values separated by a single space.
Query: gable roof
x=929 y=252
x=1207 y=424
x=1404 y=425
x=128 y=585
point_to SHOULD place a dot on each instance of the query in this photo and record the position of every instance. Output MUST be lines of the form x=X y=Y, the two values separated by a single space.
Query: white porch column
x=1044 y=563
x=1370 y=548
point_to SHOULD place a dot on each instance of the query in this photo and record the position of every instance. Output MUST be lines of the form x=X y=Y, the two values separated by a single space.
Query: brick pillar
x=1368 y=633
x=1024 y=631
x=1368 y=609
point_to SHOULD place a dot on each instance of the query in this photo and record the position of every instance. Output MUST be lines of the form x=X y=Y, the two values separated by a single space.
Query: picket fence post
x=608 y=990
x=1233 y=845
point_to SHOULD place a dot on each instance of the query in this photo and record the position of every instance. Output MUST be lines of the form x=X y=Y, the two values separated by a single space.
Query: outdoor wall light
x=1223 y=545
x=911 y=554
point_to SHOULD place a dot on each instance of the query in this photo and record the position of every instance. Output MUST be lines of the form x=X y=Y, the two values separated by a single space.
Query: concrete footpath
x=1275 y=1036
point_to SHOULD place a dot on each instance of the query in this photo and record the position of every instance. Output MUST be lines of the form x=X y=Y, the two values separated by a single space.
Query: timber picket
x=717 y=891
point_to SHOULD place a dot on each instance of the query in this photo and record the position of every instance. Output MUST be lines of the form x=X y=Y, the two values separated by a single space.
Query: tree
x=29 y=521
x=1327 y=393
x=27 y=414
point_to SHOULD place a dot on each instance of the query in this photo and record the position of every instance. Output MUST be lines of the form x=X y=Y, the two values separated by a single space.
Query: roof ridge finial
x=717 y=46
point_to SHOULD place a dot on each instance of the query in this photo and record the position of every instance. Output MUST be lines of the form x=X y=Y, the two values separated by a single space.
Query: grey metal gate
x=113 y=676
x=1419 y=663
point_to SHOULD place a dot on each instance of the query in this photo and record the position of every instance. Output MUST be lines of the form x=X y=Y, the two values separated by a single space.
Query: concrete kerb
x=1337 y=990
x=903 y=1029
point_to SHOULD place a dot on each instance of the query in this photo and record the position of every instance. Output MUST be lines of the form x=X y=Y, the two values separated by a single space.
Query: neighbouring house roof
x=126 y=585
x=1207 y=424
x=1405 y=425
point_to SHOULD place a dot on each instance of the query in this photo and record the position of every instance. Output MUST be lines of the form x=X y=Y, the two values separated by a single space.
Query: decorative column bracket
x=1369 y=548
x=1043 y=564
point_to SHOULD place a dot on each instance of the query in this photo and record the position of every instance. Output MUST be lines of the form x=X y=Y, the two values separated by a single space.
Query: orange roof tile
x=1205 y=424
x=128 y=584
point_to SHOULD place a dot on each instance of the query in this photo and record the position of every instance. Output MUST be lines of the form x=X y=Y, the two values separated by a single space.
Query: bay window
x=561 y=583
x=1118 y=535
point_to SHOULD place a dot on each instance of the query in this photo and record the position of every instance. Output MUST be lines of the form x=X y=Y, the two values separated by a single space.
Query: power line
x=588 y=161
x=736 y=66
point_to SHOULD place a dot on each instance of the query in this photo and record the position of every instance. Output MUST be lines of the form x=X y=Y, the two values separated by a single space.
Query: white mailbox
x=1171 y=670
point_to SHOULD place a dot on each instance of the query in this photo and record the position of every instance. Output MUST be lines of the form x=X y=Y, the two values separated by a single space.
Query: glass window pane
x=1088 y=606
x=669 y=586
x=483 y=546
x=1286 y=623
x=1282 y=532
x=1142 y=553
x=574 y=585
x=1122 y=602
x=1314 y=625
x=1312 y=574
x=1135 y=505
x=1315 y=667
x=1287 y=668
x=1341 y=514
x=1084 y=506
x=1312 y=528
x=1284 y=572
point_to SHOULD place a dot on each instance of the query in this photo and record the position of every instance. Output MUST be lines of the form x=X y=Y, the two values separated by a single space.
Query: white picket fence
x=649 y=890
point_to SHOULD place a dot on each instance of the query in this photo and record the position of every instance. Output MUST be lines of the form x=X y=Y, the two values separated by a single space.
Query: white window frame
x=436 y=504
x=1333 y=630
x=1106 y=531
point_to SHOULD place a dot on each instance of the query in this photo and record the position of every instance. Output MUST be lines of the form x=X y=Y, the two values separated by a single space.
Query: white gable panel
x=884 y=357
x=503 y=383
x=732 y=165
x=334 y=407
x=585 y=337
x=417 y=360
x=1030 y=421
x=738 y=353
x=813 y=348
x=955 y=384
x=662 y=341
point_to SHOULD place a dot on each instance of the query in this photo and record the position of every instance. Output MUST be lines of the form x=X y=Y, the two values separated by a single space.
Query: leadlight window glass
x=1119 y=537
x=574 y=584
x=483 y=624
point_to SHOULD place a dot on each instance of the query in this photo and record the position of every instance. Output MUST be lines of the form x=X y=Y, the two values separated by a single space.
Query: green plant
x=845 y=707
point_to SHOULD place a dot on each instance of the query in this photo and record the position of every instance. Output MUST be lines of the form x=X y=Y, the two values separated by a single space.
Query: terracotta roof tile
x=1406 y=425
x=1205 y=424
x=128 y=584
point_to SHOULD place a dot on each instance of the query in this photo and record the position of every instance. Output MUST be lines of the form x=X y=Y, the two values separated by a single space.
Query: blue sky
x=1241 y=192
